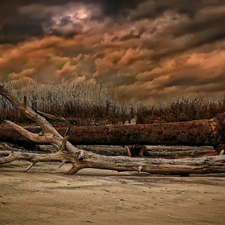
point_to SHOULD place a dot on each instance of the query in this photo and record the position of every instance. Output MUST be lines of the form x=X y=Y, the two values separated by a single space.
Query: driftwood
x=209 y=132
x=166 y=152
x=210 y=164
x=79 y=158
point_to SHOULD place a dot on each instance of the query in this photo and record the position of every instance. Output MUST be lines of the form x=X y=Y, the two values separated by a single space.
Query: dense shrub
x=87 y=102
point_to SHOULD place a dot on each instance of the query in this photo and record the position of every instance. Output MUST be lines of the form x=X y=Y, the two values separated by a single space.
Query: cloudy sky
x=145 y=50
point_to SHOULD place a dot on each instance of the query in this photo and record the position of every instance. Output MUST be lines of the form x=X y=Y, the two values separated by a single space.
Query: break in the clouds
x=143 y=50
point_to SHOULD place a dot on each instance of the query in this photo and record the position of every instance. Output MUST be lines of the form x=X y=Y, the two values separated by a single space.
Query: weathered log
x=80 y=158
x=203 y=165
x=193 y=133
x=170 y=152
x=167 y=152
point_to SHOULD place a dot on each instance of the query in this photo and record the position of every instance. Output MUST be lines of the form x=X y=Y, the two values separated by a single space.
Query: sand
x=44 y=195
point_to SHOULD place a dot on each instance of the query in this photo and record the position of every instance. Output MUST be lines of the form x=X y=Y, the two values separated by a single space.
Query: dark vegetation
x=85 y=103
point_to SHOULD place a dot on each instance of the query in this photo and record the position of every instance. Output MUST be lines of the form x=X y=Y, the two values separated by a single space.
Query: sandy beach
x=44 y=195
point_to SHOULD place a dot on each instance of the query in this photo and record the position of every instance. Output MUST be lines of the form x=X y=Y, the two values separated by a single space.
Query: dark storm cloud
x=24 y=19
x=207 y=26
x=117 y=7
x=16 y=26
x=145 y=50
x=19 y=28
x=154 y=8
x=173 y=28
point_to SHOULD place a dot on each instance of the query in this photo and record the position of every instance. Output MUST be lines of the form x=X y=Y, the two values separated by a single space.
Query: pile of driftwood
x=124 y=146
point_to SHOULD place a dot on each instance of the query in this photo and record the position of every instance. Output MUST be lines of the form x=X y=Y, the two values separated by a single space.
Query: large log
x=203 y=165
x=166 y=152
x=193 y=133
x=162 y=151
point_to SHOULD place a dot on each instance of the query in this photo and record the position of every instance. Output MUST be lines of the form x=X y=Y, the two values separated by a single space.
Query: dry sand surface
x=45 y=195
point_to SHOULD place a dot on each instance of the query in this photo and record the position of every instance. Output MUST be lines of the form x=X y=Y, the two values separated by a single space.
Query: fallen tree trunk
x=192 y=133
x=203 y=165
x=176 y=152
x=166 y=152
x=195 y=133
x=80 y=158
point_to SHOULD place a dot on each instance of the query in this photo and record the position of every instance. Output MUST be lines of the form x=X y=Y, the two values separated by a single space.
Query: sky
x=144 y=50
